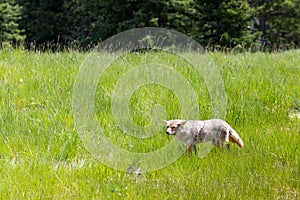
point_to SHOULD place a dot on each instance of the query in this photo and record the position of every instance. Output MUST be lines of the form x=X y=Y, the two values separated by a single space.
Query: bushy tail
x=235 y=138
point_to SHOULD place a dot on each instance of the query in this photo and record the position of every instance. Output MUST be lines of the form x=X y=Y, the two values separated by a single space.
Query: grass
x=43 y=157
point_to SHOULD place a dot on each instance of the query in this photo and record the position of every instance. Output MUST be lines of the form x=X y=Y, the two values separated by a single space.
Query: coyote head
x=173 y=125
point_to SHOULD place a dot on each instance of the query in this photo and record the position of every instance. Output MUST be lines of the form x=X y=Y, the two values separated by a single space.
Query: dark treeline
x=213 y=23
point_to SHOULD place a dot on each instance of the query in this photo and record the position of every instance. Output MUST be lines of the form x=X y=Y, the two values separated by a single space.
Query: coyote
x=192 y=132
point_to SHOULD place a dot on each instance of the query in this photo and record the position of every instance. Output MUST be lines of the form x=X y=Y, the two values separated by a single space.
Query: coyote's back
x=222 y=130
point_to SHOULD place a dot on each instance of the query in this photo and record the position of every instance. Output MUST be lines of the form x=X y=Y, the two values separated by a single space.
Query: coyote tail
x=235 y=138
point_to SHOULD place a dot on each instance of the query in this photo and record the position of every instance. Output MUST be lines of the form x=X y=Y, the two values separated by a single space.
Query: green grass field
x=43 y=157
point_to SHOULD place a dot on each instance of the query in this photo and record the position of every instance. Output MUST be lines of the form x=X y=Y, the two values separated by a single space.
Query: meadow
x=42 y=156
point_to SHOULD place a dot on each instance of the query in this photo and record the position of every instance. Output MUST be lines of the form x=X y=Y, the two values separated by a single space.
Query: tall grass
x=42 y=156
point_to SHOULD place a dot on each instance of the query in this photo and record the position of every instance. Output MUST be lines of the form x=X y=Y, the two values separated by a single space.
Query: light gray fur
x=192 y=132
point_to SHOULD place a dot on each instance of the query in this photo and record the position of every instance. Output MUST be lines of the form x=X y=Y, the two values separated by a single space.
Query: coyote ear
x=165 y=121
x=181 y=122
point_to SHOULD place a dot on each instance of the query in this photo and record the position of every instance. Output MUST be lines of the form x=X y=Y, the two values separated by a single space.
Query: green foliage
x=111 y=17
x=45 y=21
x=10 y=14
x=224 y=23
x=278 y=22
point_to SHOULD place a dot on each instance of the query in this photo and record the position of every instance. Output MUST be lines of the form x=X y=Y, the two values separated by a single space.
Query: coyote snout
x=192 y=132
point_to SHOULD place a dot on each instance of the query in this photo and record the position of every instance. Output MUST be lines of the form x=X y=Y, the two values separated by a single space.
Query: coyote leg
x=195 y=149
x=191 y=148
